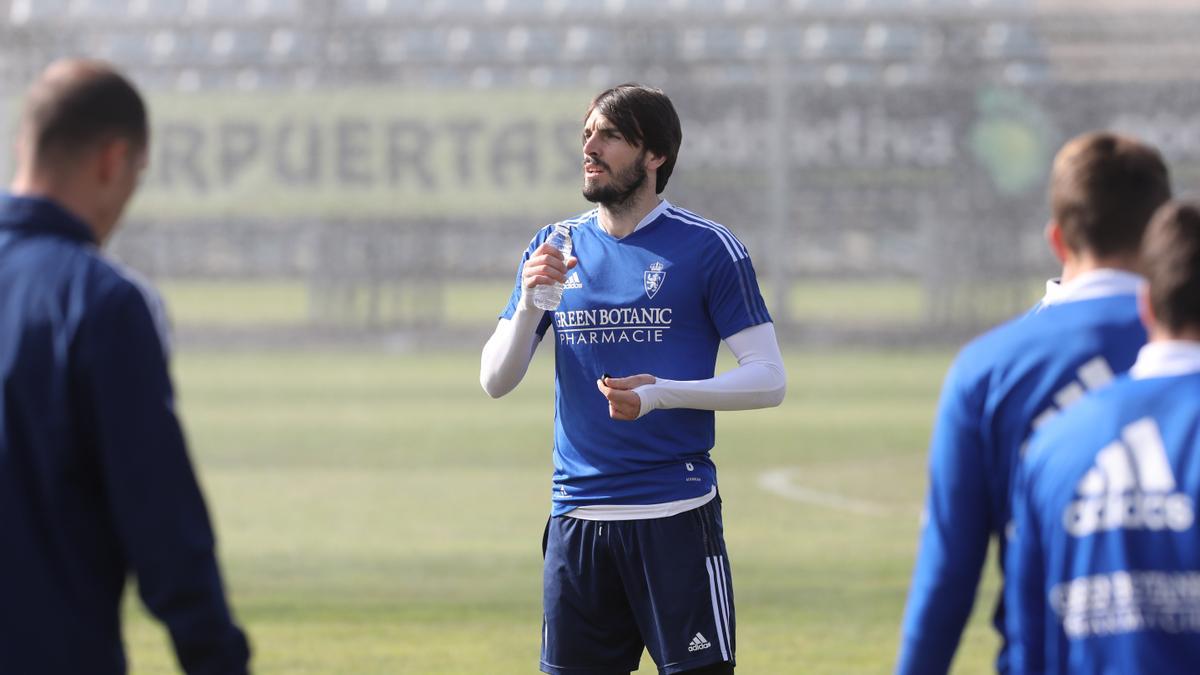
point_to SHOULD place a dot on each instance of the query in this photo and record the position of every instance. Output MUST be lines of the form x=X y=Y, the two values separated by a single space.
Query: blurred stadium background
x=360 y=155
x=338 y=195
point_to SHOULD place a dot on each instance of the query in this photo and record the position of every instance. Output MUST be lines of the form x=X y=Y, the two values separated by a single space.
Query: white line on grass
x=782 y=483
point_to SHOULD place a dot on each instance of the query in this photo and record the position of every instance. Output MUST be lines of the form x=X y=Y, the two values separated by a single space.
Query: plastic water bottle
x=548 y=296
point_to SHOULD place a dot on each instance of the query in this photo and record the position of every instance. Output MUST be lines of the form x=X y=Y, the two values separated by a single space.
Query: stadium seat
x=180 y=47
x=723 y=42
x=157 y=10
x=225 y=9
x=516 y=42
x=732 y=74
x=754 y=41
x=899 y=75
x=833 y=40
x=238 y=45
x=585 y=42
x=463 y=7
x=695 y=7
x=477 y=45
x=976 y=5
x=294 y=46
x=556 y=76
x=97 y=9
x=248 y=79
x=355 y=48
x=611 y=8
x=443 y=76
x=365 y=8
x=418 y=45
x=894 y=40
x=1009 y=40
x=905 y=7
x=124 y=48
x=719 y=7
x=498 y=77
x=521 y=7
x=162 y=45
x=851 y=74
x=1026 y=73
x=189 y=80
x=274 y=9
x=539 y=44
x=750 y=6
x=817 y=6
x=21 y=12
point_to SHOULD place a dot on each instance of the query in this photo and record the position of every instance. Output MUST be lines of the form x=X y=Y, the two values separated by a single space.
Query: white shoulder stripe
x=580 y=219
x=572 y=223
x=733 y=253
x=721 y=228
x=736 y=249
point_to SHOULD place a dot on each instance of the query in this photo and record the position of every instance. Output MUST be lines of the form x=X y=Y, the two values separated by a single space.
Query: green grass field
x=879 y=304
x=377 y=513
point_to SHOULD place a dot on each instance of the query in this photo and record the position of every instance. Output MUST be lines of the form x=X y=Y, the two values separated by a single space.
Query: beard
x=621 y=189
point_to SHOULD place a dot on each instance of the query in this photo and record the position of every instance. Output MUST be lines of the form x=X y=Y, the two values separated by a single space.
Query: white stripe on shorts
x=723 y=595
x=718 y=620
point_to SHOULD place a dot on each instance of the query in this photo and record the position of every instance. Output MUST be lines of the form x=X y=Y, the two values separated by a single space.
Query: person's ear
x=653 y=161
x=1057 y=242
x=112 y=158
x=1146 y=309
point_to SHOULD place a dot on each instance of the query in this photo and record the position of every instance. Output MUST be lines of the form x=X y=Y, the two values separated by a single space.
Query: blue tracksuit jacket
x=95 y=480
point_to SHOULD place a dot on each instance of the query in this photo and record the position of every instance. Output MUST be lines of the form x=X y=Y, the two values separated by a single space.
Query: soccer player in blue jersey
x=95 y=480
x=1104 y=189
x=1104 y=558
x=634 y=552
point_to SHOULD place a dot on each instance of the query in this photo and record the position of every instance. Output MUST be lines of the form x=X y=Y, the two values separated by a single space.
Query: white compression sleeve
x=507 y=354
x=759 y=381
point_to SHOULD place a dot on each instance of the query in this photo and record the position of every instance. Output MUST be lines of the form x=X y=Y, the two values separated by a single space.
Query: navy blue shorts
x=611 y=588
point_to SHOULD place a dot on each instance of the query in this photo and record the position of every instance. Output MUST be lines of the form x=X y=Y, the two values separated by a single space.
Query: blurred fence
x=378 y=152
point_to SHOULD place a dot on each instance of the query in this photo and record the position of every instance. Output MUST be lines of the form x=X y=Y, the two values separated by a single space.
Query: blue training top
x=1000 y=387
x=657 y=301
x=1104 y=563
x=95 y=481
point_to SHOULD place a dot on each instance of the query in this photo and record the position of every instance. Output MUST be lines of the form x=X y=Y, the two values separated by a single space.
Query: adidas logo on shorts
x=1130 y=487
x=699 y=643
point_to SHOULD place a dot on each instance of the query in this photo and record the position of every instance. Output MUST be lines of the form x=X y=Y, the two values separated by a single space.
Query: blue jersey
x=95 y=480
x=1000 y=387
x=658 y=301
x=1104 y=560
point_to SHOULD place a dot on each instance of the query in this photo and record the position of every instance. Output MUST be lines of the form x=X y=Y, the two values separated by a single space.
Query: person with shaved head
x=95 y=479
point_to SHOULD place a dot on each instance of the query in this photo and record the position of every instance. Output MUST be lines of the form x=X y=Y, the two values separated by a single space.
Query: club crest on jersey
x=653 y=279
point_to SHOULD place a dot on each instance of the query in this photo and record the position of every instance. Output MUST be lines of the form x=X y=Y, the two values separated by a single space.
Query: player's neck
x=1076 y=266
x=620 y=220
x=34 y=184
x=1158 y=333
